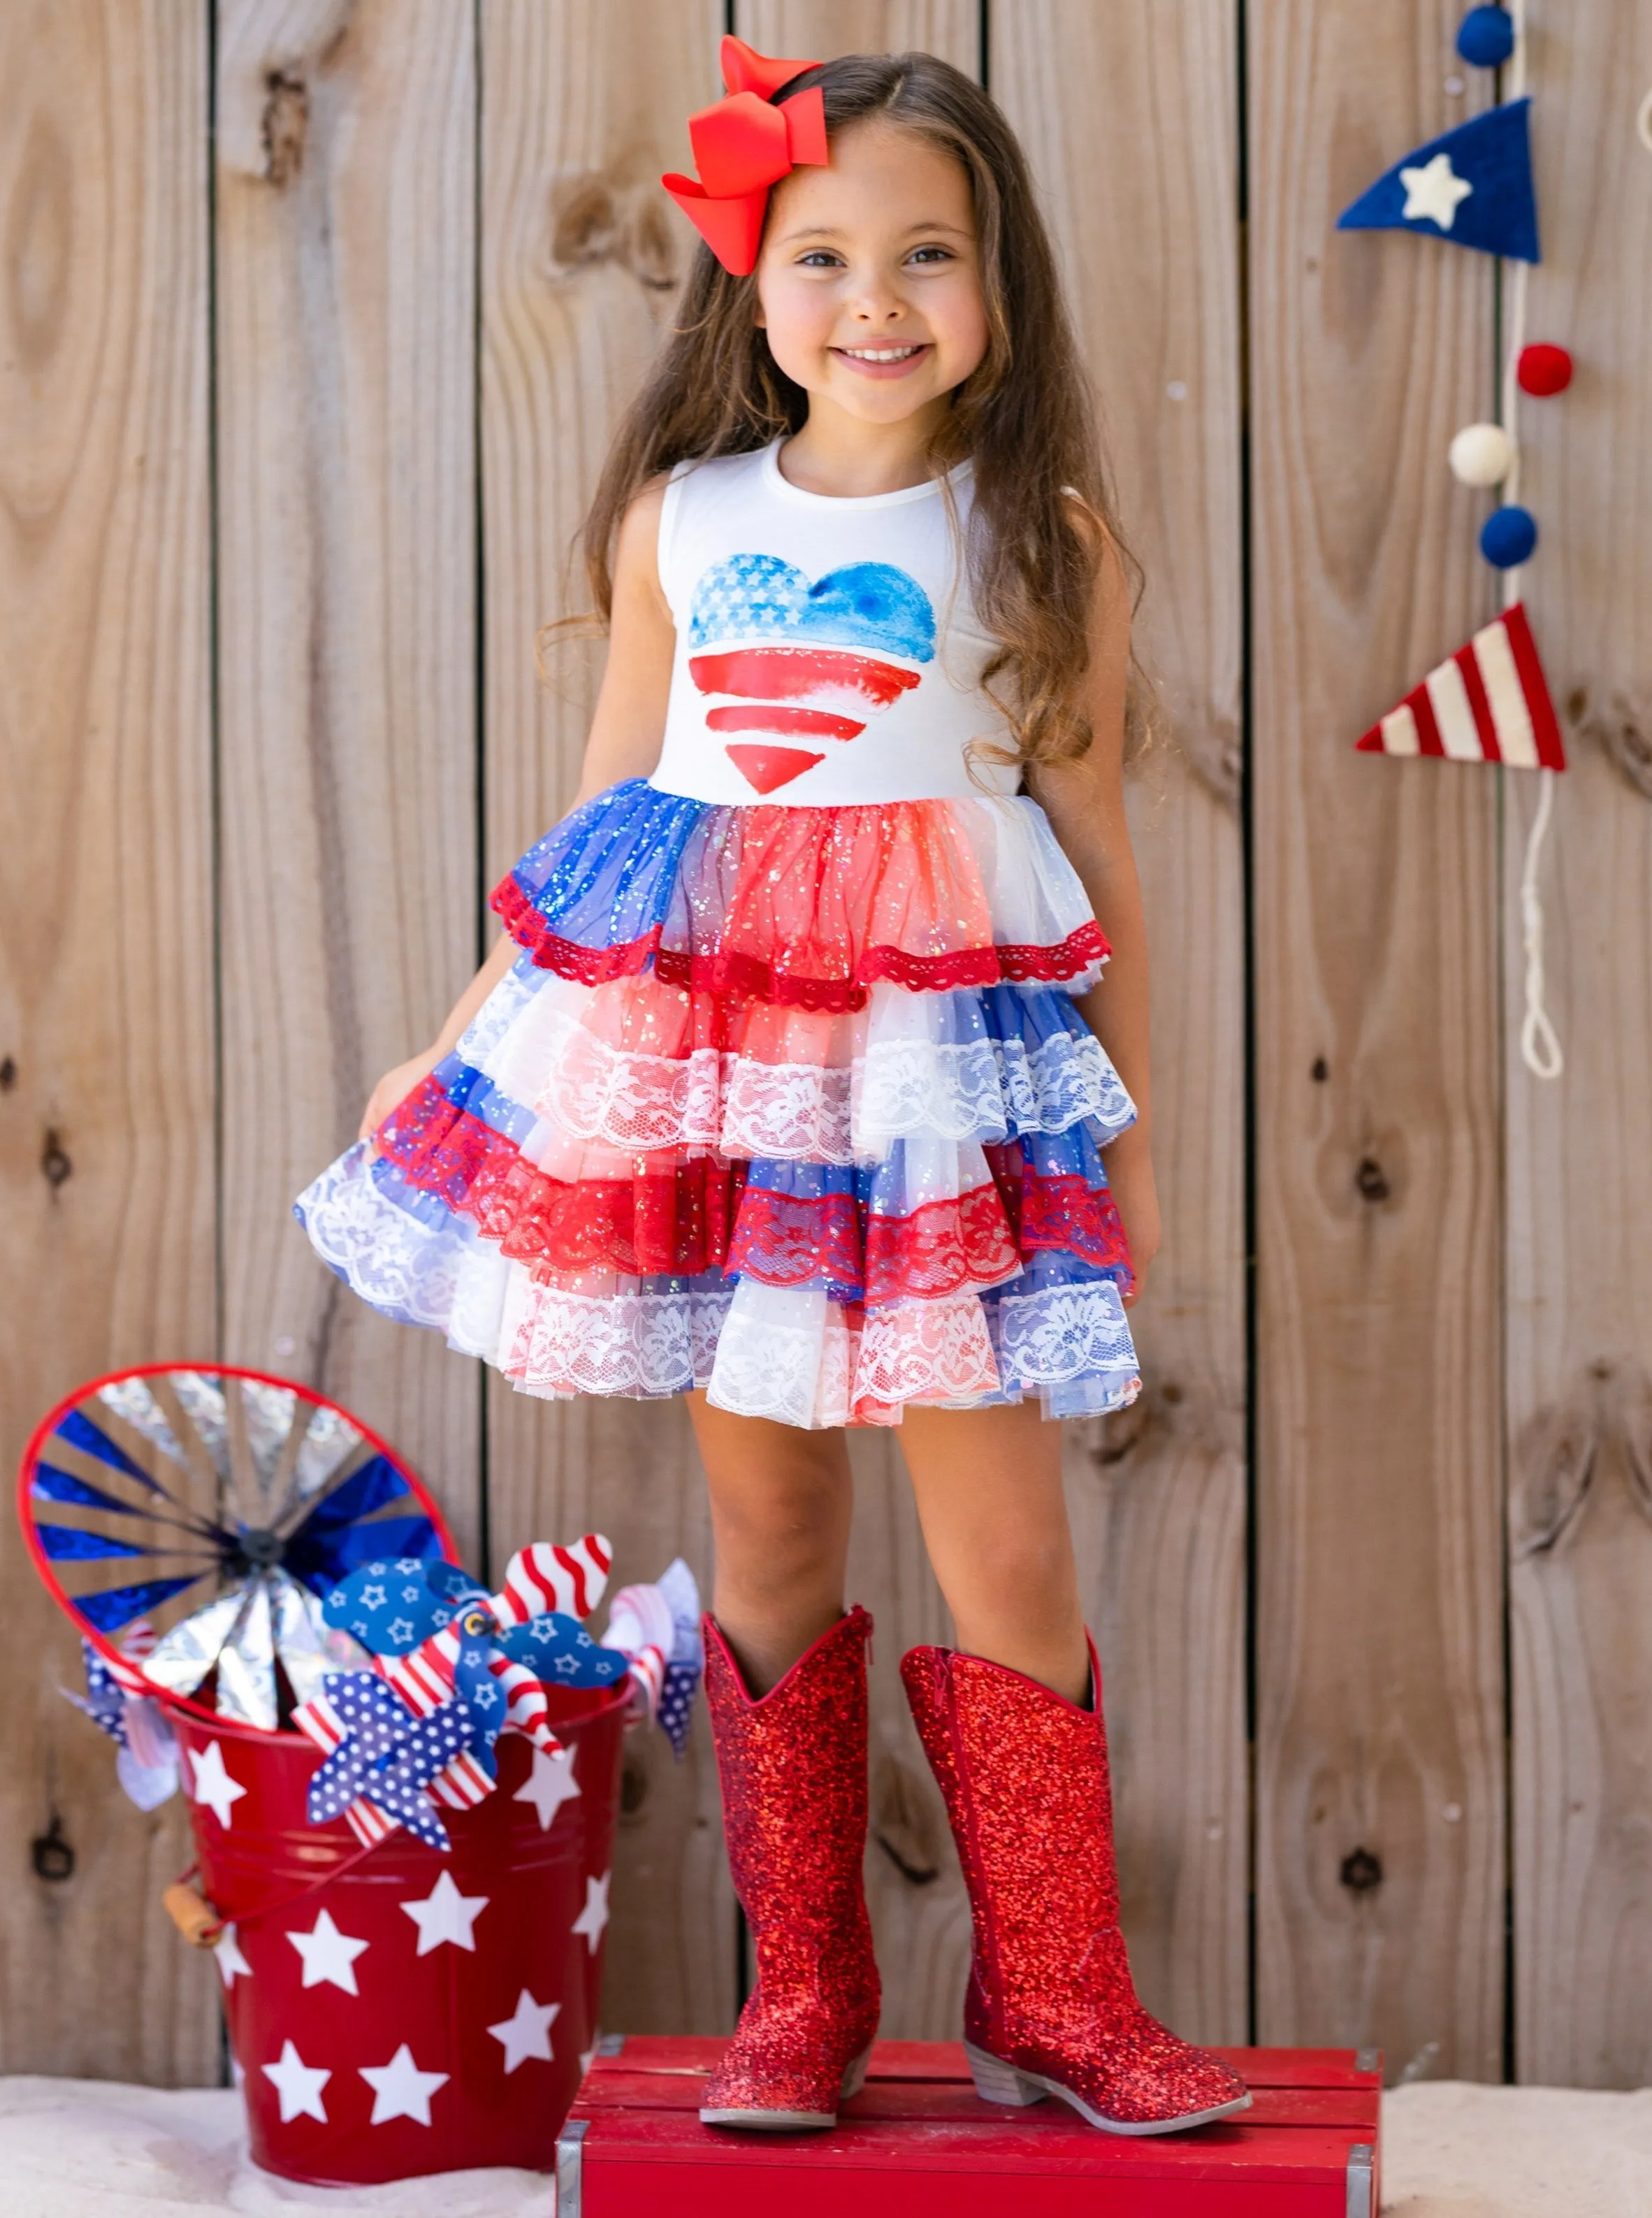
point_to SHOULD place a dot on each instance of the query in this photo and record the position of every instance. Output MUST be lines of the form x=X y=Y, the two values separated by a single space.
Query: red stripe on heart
x=766 y=768
x=792 y=673
x=811 y=723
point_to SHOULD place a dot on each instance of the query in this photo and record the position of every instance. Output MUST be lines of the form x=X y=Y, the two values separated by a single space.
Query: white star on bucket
x=400 y=2090
x=549 y=1784
x=299 y=2086
x=213 y=1784
x=527 y=2031
x=1433 y=191
x=329 y=1955
x=226 y=1955
x=446 y=1914
x=593 y=1918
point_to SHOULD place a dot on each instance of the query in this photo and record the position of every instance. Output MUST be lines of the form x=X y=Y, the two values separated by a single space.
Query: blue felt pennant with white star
x=392 y=1605
x=1472 y=187
x=559 y=1652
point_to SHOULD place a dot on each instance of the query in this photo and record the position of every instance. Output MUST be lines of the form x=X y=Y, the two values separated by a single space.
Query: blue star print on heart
x=865 y=604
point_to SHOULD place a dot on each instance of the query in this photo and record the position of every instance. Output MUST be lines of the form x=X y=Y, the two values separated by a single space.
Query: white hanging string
x=1540 y=1048
x=1540 y=1045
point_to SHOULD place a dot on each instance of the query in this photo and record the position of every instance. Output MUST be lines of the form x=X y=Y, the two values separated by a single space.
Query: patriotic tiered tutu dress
x=786 y=1095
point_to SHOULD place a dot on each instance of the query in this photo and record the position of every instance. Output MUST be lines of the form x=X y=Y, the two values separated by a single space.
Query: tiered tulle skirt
x=790 y=1103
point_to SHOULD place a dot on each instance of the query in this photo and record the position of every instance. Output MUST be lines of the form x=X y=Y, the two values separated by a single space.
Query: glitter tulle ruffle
x=791 y=1104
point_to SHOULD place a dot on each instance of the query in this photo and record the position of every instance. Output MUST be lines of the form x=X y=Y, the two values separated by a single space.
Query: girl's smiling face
x=869 y=280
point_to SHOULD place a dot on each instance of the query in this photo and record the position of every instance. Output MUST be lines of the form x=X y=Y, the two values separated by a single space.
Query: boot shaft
x=1024 y=1776
x=792 y=1766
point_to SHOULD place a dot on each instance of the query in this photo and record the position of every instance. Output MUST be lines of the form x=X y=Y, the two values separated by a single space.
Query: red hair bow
x=742 y=145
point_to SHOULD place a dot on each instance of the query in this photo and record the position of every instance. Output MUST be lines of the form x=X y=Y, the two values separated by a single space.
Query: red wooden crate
x=918 y=2142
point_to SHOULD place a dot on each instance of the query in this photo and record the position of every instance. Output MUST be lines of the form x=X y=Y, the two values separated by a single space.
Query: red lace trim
x=590 y=966
x=697 y=1215
x=749 y=977
x=1065 y=1213
x=786 y=1241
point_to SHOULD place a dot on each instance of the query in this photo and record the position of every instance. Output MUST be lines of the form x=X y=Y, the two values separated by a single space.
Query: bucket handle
x=202 y=1921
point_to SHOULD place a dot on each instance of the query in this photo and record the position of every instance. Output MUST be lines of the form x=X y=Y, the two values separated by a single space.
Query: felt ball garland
x=1489 y=702
x=1508 y=536
x=1485 y=37
x=1481 y=454
x=1543 y=370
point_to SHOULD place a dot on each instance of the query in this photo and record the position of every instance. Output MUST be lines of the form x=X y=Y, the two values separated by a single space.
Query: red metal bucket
x=395 y=2010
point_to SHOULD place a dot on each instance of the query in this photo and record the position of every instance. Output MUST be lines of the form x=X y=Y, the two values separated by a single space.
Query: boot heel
x=997 y=2082
x=854 y=2078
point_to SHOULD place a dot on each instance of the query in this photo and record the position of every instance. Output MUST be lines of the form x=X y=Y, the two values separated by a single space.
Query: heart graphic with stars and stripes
x=786 y=660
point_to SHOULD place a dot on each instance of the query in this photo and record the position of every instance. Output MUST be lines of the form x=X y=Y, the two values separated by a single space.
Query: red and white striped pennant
x=1488 y=703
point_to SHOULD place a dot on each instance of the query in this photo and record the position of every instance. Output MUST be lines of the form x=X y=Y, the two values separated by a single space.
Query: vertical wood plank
x=1129 y=115
x=1380 y=1689
x=920 y=1918
x=1580 y=1199
x=105 y=1015
x=823 y=29
x=583 y=103
x=346 y=585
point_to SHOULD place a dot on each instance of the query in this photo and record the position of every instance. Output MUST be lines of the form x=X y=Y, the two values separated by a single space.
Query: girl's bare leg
x=781 y=1500
x=988 y=1488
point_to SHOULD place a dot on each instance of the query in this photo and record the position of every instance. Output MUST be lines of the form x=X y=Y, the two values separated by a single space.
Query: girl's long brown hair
x=1023 y=415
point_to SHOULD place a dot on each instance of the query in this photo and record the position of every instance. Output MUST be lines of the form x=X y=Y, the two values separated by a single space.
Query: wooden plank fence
x=315 y=317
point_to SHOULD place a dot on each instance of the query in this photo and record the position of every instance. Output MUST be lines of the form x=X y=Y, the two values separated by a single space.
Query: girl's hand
x=393 y=1088
x=1129 y=1175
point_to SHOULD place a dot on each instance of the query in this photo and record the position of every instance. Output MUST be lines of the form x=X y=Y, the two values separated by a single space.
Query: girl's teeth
x=880 y=353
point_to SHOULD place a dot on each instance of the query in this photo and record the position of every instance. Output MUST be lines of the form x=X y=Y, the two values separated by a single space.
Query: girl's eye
x=930 y=254
x=819 y=257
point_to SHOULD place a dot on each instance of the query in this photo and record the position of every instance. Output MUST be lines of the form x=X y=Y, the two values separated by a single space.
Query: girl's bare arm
x=1085 y=803
x=625 y=731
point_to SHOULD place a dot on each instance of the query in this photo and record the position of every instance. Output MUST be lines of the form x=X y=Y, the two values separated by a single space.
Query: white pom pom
x=1481 y=454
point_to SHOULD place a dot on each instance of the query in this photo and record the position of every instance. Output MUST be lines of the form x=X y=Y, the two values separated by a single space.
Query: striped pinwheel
x=216 y=1506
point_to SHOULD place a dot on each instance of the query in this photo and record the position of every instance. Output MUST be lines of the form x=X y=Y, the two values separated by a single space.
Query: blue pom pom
x=1507 y=536
x=1486 y=37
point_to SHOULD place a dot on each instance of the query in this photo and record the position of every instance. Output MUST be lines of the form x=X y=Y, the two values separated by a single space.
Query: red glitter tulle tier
x=792 y=1769
x=1051 y=2007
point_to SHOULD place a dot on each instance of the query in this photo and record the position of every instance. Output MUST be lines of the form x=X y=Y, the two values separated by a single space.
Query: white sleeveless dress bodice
x=828 y=651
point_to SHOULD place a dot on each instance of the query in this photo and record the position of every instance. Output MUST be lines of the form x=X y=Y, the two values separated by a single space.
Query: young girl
x=787 y=1087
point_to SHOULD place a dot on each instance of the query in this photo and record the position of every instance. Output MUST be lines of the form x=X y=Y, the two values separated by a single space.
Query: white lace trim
x=762 y=1351
x=981 y=1090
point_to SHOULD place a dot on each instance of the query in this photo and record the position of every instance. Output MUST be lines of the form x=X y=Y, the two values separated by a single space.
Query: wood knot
x=596 y=220
x=1212 y=747
x=1120 y=1432
x=1319 y=1070
x=903 y=1824
x=50 y=1854
x=284 y=125
x=1360 y=1871
x=1621 y=730
x=55 y=1165
x=633 y=1788
x=8 y=1075
x=1371 y=1180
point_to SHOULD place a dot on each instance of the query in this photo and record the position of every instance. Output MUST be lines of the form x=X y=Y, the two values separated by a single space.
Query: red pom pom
x=1542 y=370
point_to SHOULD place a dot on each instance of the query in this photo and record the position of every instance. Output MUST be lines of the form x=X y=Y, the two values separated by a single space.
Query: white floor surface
x=73 y=2148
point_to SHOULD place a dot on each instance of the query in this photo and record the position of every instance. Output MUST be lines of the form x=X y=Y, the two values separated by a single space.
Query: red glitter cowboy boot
x=793 y=1769
x=1051 y=2008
